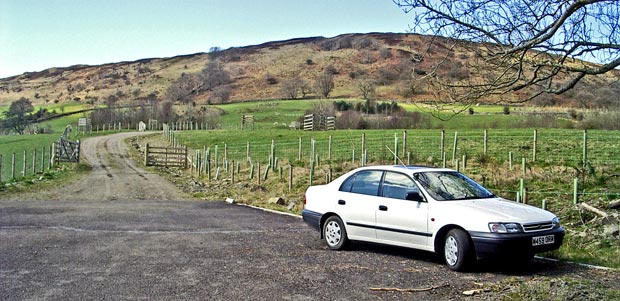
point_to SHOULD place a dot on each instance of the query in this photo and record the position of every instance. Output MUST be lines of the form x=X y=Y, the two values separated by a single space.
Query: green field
x=280 y=114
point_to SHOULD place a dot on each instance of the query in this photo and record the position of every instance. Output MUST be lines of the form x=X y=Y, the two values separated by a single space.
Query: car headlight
x=505 y=228
x=556 y=222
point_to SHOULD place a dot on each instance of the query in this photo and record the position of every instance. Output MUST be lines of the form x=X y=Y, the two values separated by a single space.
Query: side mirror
x=414 y=196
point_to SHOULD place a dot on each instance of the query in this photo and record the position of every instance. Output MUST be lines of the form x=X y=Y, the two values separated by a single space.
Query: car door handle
x=341 y=202
x=382 y=208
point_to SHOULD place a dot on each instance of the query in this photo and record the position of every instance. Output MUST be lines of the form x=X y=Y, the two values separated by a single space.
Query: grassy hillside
x=259 y=72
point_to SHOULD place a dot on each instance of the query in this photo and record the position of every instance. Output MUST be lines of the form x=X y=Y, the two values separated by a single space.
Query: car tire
x=457 y=251
x=334 y=233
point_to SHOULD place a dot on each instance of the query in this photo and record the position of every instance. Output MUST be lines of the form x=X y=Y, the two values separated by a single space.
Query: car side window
x=347 y=184
x=363 y=182
x=397 y=185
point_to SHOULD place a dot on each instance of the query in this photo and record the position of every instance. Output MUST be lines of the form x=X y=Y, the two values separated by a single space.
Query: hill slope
x=260 y=72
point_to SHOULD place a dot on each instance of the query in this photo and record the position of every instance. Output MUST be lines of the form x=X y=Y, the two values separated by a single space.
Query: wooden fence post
x=215 y=157
x=443 y=160
x=186 y=157
x=575 y=189
x=363 y=144
x=290 y=178
x=50 y=162
x=329 y=148
x=486 y=139
x=405 y=143
x=34 y=161
x=146 y=155
x=454 y=146
x=585 y=149
x=13 y=167
x=299 y=150
x=534 y=146
x=232 y=178
x=24 y=165
x=395 y=149
x=521 y=188
x=272 y=156
x=43 y=159
x=312 y=149
x=442 y=146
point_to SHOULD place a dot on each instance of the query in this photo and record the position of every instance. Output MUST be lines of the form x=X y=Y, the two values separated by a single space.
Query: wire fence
x=572 y=148
x=520 y=148
x=18 y=165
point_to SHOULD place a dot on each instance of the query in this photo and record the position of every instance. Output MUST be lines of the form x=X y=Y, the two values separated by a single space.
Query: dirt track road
x=114 y=176
x=120 y=233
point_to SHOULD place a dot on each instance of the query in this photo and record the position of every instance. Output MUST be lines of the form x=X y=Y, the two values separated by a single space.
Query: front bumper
x=519 y=245
x=312 y=218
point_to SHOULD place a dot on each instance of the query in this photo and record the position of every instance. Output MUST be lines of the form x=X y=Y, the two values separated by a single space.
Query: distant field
x=279 y=114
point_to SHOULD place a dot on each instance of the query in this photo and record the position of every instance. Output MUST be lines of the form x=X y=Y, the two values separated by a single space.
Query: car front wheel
x=334 y=233
x=457 y=250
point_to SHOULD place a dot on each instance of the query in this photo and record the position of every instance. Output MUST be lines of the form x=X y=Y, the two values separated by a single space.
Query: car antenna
x=397 y=157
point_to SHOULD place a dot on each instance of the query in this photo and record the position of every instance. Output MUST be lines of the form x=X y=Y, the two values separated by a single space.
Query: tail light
x=304 y=199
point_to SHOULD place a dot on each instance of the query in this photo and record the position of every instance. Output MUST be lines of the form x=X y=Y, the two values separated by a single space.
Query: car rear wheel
x=334 y=233
x=457 y=250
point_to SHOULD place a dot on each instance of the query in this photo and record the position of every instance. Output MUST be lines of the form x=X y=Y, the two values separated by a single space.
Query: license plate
x=543 y=240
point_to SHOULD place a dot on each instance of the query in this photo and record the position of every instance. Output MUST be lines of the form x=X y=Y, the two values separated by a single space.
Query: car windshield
x=451 y=185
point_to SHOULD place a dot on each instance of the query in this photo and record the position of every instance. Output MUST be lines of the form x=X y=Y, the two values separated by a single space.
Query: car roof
x=409 y=168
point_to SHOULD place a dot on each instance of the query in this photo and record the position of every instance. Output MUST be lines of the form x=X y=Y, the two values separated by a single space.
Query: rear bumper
x=519 y=245
x=313 y=219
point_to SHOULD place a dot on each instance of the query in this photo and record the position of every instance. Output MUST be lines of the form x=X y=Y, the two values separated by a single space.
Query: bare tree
x=538 y=44
x=324 y=84
x=184 y=89
x=292 y=87
x=366 y=87
x=167 y=112
x=214 y=75
x=220 y=94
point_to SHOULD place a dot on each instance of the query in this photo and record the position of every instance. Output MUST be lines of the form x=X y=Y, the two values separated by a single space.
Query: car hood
x=500 y=210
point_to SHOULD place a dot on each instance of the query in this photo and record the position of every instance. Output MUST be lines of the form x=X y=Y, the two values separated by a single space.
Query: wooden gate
x=165 y=156
x=67 y=150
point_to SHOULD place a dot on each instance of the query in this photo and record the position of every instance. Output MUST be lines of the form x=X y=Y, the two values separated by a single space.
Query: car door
x=401 y=221
x=357 y=203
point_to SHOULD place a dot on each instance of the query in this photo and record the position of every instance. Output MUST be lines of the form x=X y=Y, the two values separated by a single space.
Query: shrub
x=350 y=120
x=270 y=79
x=330 y=69
x=506 y=110
x=342 y=106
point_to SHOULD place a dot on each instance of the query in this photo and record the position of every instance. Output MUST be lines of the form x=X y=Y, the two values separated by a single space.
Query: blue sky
x=39 y=34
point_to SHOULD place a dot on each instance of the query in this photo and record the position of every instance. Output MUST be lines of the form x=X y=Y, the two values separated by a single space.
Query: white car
x=434 y=209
